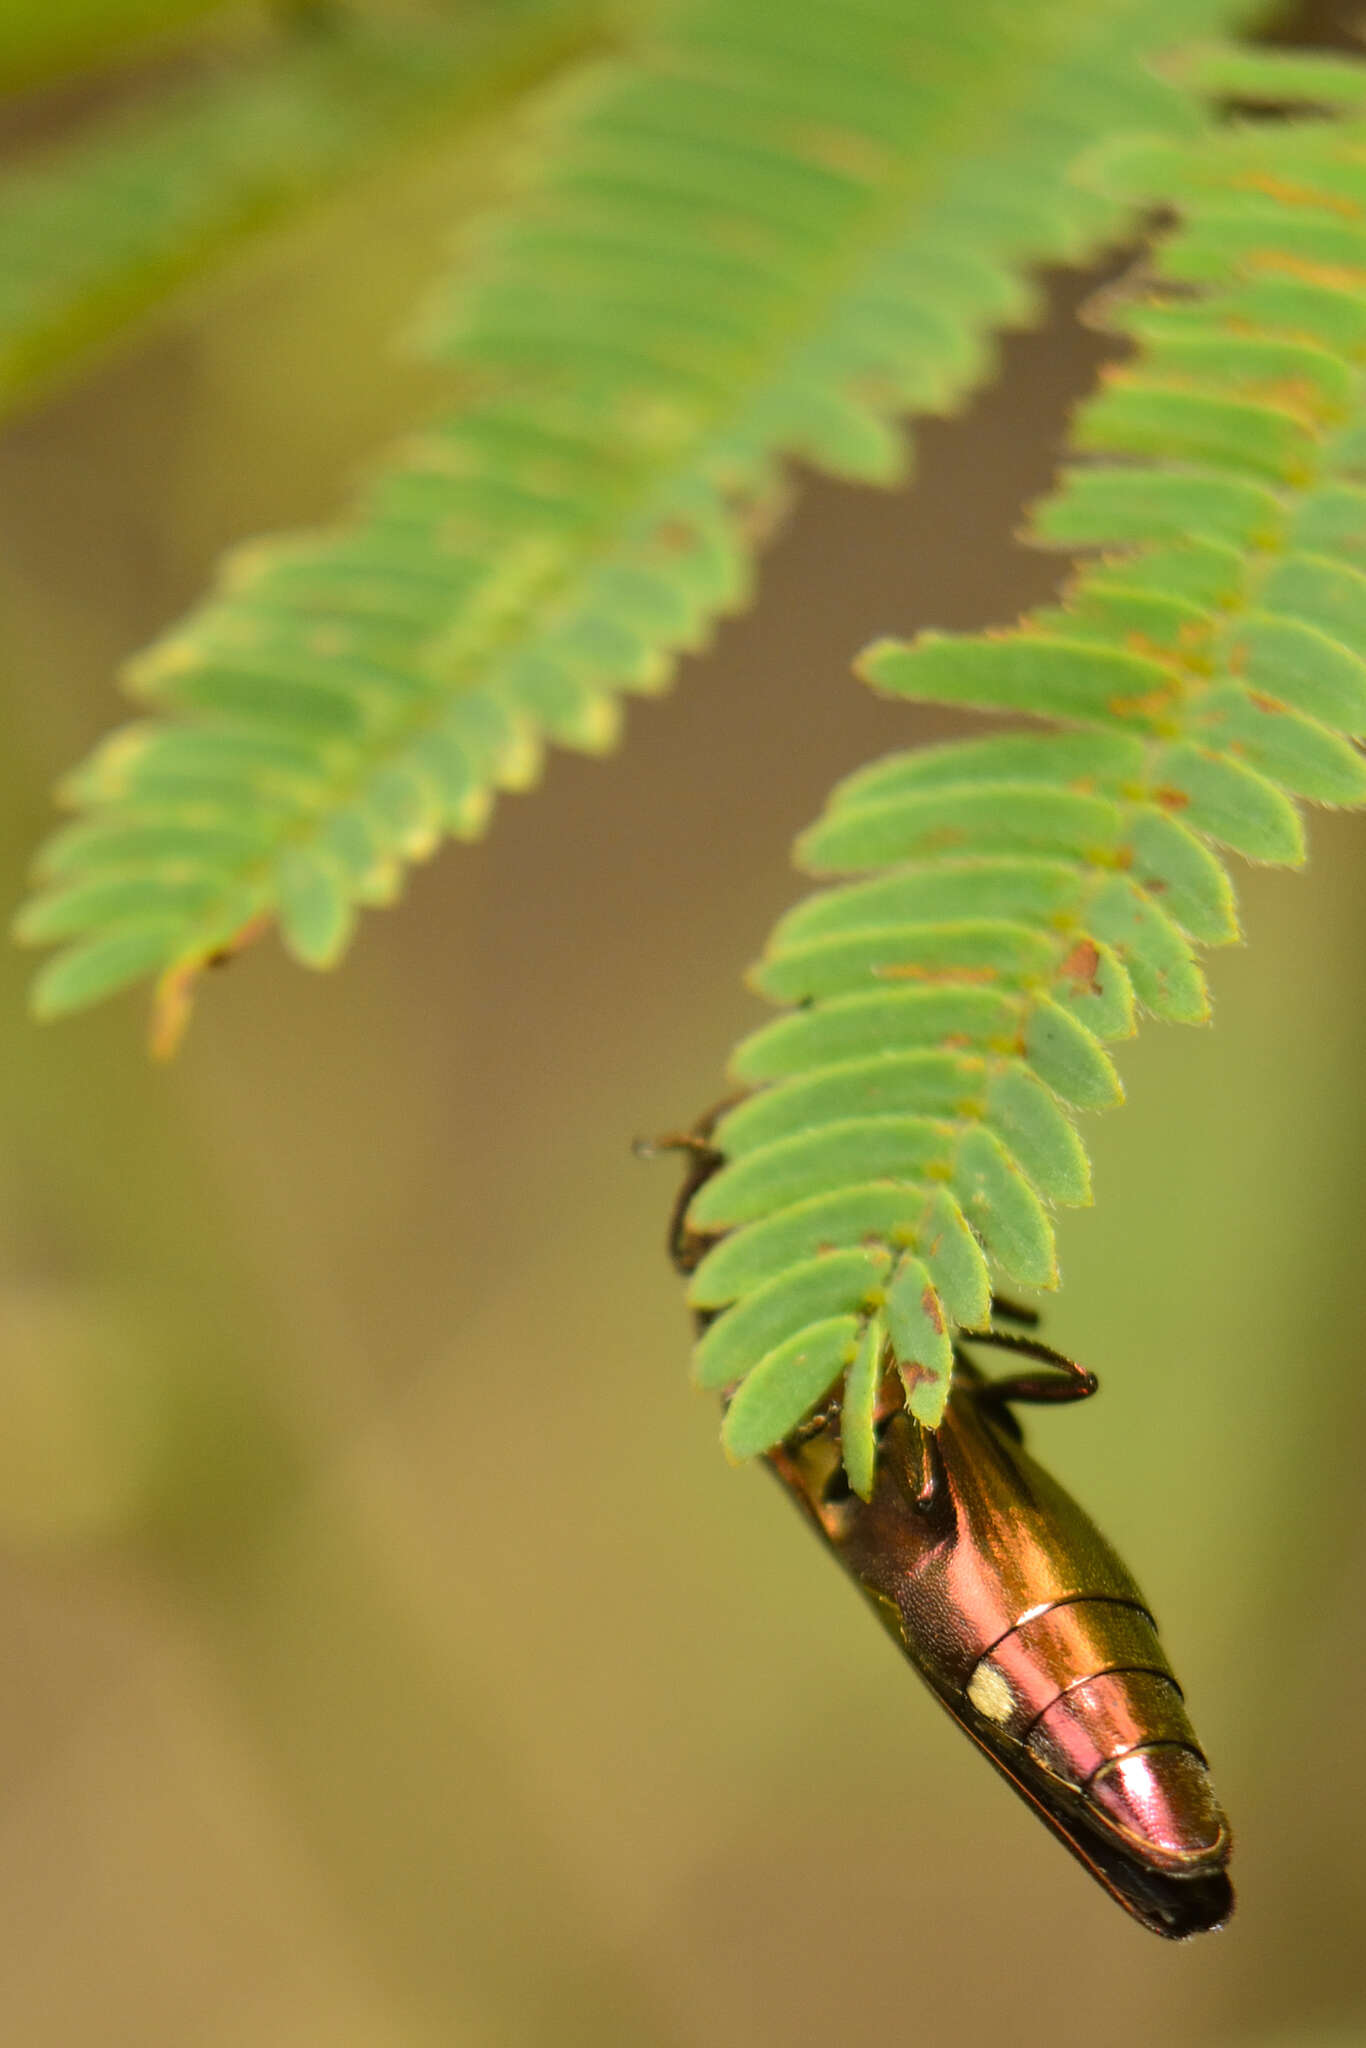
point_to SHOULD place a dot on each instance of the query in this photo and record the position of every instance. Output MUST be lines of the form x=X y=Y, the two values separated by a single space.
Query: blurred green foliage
x=45 y=39
x=95 y=229
x=752 y=238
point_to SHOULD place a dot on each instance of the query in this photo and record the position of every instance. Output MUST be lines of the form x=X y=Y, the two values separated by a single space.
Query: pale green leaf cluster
x=764 y=232
x=1015 y=902
x=101 y=227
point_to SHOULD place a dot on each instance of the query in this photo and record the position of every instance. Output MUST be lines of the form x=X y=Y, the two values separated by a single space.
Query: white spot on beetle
x=989 y=1691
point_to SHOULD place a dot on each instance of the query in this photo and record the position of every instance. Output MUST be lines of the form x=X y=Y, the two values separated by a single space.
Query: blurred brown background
x=391 y=1656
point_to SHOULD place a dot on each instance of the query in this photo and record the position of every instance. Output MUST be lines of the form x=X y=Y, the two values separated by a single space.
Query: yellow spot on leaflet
x=989 y=1691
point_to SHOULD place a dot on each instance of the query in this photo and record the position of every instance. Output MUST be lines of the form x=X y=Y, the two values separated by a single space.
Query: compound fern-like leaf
x=1014 y=902
x=769 y=232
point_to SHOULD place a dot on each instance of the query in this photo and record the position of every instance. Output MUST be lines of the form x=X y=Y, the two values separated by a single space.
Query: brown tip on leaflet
x=171 y=1007
x=175 y=991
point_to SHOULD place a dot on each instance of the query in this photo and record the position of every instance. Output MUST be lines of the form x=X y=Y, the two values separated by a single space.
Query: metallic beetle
x=1024 y=1622
x=1028 y=1628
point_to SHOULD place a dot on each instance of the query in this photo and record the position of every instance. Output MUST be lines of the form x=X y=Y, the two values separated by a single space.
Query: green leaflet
x=916 y=1081
x=759 y=232
x=1302 y=665
x=899 y=1148
x=1231 y=803
x=1085 y=761
x=786 y=1385
x=993 y=817
x=1142 y=419
x=1046 y=675
x=1300 y=754
x=1168 y=861
x=832 y=1282
x=1276 y=77
x=1058 y=1046
x=921 y=1344
x=974 y=951
x=859 y=1026
x=315 y=907
x=1024 y=891
x=1100 y=507
x=955 y=1262
x=1004 y=1210
x=858 y=1443
x=1040 y=1134
x=86 y=973
x=1096 y=991
x=1022 y=896
x=745 y=1259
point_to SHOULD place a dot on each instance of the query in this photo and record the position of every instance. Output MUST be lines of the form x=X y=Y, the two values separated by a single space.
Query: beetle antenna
x=687 y=1246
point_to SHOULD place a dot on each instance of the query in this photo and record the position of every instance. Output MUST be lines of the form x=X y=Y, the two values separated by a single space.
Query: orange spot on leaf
x=842 y=150
x=1153 y=707
x=914 y=1375
x=1341 y=277
x=912 y=970
x=674 y=537
x=1288 y=192
x=1082 y=966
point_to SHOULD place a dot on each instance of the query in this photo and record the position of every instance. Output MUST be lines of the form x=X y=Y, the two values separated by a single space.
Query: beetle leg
x=1067 y=1382
x=823 y=1418
x=1014 y=1311
x=925 y=1467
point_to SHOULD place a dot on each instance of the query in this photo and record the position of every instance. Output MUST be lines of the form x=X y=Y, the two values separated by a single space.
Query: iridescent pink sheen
x=1162 y=1798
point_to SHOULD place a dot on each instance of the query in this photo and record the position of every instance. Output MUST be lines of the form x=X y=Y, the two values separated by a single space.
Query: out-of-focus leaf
x=105 y=225
x=765 y=232
x=44 y=39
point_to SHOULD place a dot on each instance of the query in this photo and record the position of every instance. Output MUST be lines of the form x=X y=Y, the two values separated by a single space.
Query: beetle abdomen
x=1083 y=1687
x=1058 y=1646
x=1034 y=1635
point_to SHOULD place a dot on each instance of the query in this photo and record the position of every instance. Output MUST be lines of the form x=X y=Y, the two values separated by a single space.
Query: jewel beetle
x=1020 y=1617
